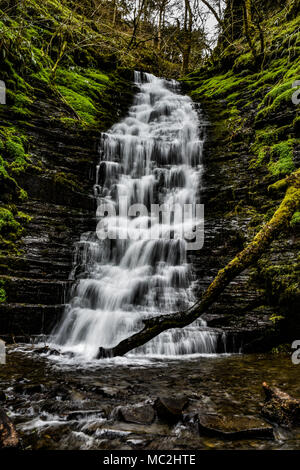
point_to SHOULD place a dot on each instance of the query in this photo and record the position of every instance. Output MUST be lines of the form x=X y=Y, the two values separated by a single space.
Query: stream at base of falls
x=77 y=407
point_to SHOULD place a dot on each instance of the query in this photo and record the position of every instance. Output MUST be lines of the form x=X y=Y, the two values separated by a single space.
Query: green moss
x=281 y=281
x=82 y=89
x=21 y=103
x=281 y=349
x=221 y=85
x=278 y=91
x=87 y=82
x=32 y=34
x=15 y=153
x=68 y=122
x=268 y=77
x=243 y=61
x=15 y=149
x=10 y=229
x=23 y=194
x=2 y=291
x=271 y=135
x=278 y=186
x=3 y=171
x=64 y=181
x=276 y=318
x=280 y=99
x=296 y=219
x=282 y=155
x=259 y=103
x=81 y=104
x=25 y=218
x=261 y=157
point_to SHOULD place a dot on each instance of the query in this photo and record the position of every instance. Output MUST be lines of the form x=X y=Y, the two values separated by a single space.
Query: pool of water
x=59 y=405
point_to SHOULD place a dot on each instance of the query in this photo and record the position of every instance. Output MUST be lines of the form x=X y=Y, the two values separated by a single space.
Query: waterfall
x=153 y=156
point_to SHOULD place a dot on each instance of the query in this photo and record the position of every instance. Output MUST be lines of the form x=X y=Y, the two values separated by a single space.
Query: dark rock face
x=62 y=207
x=170 y=409
x=37 y=281
x=280 y=407
x=233 y=194
x=8 y=434
x=233 y=427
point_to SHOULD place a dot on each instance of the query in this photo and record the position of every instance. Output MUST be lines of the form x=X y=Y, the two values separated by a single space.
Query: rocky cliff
x=253 y=144
x=50 y=128
x=59 y=99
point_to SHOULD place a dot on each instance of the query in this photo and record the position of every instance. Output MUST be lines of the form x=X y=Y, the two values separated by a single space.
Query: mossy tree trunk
x=156 y=325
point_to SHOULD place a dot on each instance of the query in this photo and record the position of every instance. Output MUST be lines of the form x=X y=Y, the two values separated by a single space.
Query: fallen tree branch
x=253 y=251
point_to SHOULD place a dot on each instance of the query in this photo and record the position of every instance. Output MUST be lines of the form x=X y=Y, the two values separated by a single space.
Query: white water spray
x=152 y=156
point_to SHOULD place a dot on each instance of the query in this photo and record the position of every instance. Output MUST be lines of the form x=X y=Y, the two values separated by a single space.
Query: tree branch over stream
x=247 y=257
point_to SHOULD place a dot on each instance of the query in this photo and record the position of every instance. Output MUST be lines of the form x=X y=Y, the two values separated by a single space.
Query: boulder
x=233 y=427
x=143 y=414
x=170 y=409
x=280 y=407
x=8 y=434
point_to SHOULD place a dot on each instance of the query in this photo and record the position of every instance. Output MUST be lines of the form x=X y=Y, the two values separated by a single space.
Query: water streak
x=154 y=155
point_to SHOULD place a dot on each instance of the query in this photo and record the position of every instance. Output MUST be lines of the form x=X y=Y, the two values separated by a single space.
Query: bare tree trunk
x=115 y=11
x=249 y=29
x=214 y=12
x=156 y=325
x=136 y=22
x=188 y=26
x=159 y=28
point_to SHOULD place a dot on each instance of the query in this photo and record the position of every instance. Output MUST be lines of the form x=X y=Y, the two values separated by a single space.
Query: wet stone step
x=28 y=319
x=35 y=268
x=20 y=290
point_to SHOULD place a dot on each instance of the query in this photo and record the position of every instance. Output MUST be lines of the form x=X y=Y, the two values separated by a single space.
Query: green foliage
x=15 y=149
x=296 y=219
x=62 y=180
x=281 y=162
x=10 y=229
x=281 y=349
x=81 y=104
x=278 y=91
x=51 y=50
x=3 y=171
x=2 y=291
x=83 y=81
x=220 y=86
x=276 y=318
x=281 y=280
x=251 y=112
x=21 y=103
x=243 y=61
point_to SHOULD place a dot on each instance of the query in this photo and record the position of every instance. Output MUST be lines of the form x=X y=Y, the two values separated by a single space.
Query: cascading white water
x=152 y=156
